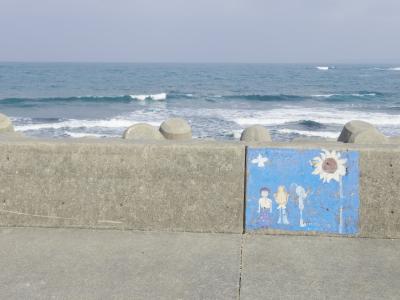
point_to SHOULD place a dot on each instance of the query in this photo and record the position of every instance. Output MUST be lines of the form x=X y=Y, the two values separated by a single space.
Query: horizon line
x=194 y=62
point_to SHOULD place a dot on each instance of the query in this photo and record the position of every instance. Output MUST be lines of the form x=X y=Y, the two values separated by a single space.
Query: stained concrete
x=300 y=267
x=195 y=187
x=85 y=264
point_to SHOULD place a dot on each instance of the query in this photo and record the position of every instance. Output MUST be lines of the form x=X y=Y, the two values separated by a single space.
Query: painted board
x=302 y=190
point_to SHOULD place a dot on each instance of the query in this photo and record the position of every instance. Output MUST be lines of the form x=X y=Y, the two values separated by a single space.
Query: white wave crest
x=353 y=94
x=156 y=97
x=84 y=134
x=394 y=69
x=324 y=134
x=324 y=116
x=324 y=95
x=322 y=68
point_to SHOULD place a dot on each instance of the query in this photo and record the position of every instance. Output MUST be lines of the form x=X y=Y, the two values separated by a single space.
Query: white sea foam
x=110 y=123
x=236 y=133
x=83 y=134
x=394 y=69
x=322 y=68
x=156 y=97
x=353 y=94
x=325 y=134
x=324 y=116
x=324 y=95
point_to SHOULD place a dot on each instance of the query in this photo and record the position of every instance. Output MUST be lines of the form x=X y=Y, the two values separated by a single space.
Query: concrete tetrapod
x=5 y=124
x=256 y=133
x=176 y=129
x=142 y=131
x=361 y=132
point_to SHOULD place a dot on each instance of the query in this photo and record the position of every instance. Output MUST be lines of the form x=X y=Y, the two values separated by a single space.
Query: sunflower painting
x=313 y=190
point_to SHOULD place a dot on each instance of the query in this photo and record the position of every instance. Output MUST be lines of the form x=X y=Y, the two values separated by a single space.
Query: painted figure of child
x=265 y=206
x=282 y=198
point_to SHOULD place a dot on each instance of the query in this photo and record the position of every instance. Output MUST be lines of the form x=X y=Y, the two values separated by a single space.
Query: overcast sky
x=200 y=31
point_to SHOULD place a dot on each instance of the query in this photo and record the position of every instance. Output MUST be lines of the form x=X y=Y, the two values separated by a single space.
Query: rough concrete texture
x=48 y=263
x=142 y=131
x=361 y=132
x=380 y=193
x=84 y=264
x=176 y=129
x=295 y=267
x=122 y=184
x=369 y=137
x=379 y=186
x=5 y=124
x=394 y=140
x=255 y=133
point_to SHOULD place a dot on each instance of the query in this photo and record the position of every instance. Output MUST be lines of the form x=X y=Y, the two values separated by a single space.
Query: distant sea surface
x=56 y=100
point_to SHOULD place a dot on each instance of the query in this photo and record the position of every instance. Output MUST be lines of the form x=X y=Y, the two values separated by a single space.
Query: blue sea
x=55 y=100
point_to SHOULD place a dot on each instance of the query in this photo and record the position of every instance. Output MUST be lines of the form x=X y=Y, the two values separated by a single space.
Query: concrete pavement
x=48 y=263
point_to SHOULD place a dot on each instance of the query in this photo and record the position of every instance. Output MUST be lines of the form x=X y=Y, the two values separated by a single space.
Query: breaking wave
x=89 y=98
x=348 y=96
x=156 y=97
x=81 y=124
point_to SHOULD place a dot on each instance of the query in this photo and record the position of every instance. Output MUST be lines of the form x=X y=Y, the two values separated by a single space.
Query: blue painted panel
x=302 y=190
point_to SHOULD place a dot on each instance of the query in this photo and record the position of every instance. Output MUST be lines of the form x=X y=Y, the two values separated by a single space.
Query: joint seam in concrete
x=241 y=264
x=244 y=190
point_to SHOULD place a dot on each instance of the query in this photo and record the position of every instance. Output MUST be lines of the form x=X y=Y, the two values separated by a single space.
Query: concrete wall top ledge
x=327 y=145
x=116 y=142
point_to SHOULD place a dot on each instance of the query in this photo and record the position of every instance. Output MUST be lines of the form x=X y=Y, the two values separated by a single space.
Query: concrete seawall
x=192 y=186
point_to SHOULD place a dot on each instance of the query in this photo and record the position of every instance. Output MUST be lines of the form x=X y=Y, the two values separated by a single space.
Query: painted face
x=264 y=193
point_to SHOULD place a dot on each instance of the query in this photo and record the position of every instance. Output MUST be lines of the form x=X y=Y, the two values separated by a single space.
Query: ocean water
x=77 y=99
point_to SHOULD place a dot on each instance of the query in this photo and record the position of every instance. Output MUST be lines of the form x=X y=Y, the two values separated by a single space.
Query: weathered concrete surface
x=380 y=193
x=295 y=267
x=122 y=184
x=379 y=186
x=85 y=264
x=48 y=263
